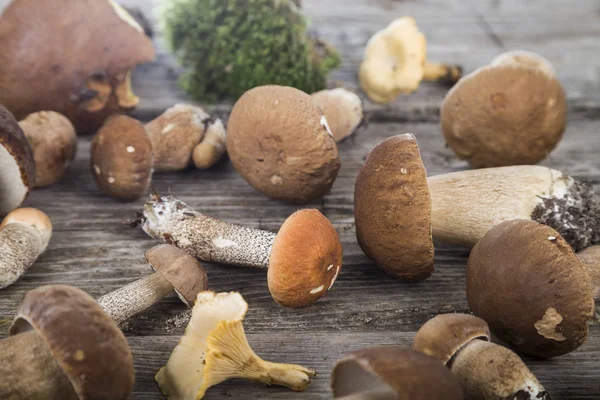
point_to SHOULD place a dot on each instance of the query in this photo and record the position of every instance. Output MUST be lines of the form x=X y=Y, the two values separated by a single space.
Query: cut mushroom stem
x=590 y=259
x=442 y=73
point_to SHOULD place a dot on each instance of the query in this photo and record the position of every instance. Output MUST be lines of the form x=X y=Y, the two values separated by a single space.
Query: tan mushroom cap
x=305 y=260
x=392 y=209
x=279 y=141
x=83 y=339
x=343 y=110
x=33 y=217
x=121 y=158
x=526 y=282
x=183 y=271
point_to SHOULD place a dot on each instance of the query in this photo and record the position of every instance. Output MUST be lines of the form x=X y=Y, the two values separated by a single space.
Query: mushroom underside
x=12 y=188
x=353 y=381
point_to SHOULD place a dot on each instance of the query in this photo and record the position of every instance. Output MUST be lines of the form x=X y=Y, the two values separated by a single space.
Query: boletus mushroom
x=303 y=259
x=279 y=141
x=85 y=79
x=63 y=346
x=214 y=348
x=212 y=148
x=343 y=110
x=511 y=112
x=486 y=371
x=392 y=373
x=395 y=62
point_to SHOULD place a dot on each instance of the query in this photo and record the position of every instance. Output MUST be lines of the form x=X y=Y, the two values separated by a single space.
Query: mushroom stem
x=20 y=246
x=590 y=258
x=212 y=147
x=442 y=72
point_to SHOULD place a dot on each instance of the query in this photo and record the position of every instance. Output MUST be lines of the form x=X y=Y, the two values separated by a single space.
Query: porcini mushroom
x=392 y=373
x=63 y=346
x=303 y=259
x=467 y=204
x=392 y=209
x=395 y=62
x=212 y=148
x=279 y=141
x=511 y=112
x=174 y=269
x=486 y=370
x=24 y=236
x=54 y=141
x=526 y=282
x=343 y=110
x=214 y=348
x=85 y=79
x=121 y=158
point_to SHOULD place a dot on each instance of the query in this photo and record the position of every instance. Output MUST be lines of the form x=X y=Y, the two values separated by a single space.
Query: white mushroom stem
x=212 y=147
x=442 y=72
x=20 y=246
x=590 y=258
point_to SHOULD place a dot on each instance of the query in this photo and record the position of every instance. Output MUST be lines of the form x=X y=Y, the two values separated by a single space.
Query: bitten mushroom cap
x=392 y=209
x=279 y=141
x=392 y=372
x=526 y=282
x=83 y=339
x=343 y=110
x=305 y=260
x=32 y=217
x=121 y=158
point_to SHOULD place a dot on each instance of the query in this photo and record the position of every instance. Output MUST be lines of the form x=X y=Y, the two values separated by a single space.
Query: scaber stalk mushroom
x=214 y=348
x=279 y=141
x=24 y=236
x=511 y=112
x=395 y=62
x=63 y=346
x=85 y=79
x=343 y=110
x=392 y=209
x=212 y=148
x=303 y=259
x=486 y=371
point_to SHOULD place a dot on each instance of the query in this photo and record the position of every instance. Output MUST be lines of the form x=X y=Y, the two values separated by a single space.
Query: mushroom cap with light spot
x=343 y=110
x=305 y=260
x=33 y=217
x=526 y=282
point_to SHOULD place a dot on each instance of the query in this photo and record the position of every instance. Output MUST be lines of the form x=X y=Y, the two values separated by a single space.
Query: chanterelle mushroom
x=343 y=110
x=394 y=62
x=78 y=56
x=214 y=349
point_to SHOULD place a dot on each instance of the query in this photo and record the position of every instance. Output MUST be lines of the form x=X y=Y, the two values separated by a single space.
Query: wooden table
x=92 y=250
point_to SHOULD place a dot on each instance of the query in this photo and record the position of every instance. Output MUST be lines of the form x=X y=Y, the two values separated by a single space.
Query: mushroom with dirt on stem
x=343 y=110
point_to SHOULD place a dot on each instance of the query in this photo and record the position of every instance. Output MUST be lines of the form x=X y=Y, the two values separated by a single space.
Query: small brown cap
x=183 y=271
x=392 y=209
x=305 y=260
x=343 y=110
x=442 y=336
x=83 y=339
x=121 y=158
x=393 y=372
x=526 y=282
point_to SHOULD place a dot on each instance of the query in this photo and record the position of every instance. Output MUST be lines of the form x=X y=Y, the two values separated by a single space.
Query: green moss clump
x=230 y=46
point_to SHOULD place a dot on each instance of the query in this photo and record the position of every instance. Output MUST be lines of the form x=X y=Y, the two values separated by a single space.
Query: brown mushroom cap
x=392 y=209
x=279 y=141
x=399 y=373
x=343 y=110
x=121 y=158
x=305 y=260
x=42 y=67
x=526 y=282
x=183 y=271
x=85 y=342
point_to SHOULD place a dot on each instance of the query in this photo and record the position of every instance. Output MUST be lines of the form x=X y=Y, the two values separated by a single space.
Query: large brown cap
x=442 y=336
x=526 y=282
x=392 y=209
x=183 y=271
x=279 y=140
x=305 y=260
x=121 y=158
x=83 y=339
x=392 y=372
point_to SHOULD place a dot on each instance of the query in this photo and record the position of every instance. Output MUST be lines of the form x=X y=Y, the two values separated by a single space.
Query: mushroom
x=526 y=282
x=214 y=348
x=54 y=141
x=212 y=148
x=590 y=259
x=513 y=111
x=392 y=209
x=85 y=79
x=173 y=268
x=303 y=259
x=394 y=62
x=467 y=204
x=392 y=373
x=343 y=110
x=121 y=158
x=486 y=370
x=279 y=141
x=24 y=236
x=17 y=167
x=63 y=346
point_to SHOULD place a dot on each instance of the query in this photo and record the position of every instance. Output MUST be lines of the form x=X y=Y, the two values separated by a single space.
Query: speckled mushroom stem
x=444 y=73
x=590 y=258
x=20 y=246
